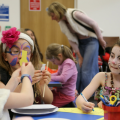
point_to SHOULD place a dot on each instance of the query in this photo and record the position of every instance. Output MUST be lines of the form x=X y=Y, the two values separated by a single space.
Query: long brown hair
x=36 y=43
x=4 y=64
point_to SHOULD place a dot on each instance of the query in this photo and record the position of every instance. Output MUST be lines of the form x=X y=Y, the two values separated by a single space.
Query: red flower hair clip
x=10 y=36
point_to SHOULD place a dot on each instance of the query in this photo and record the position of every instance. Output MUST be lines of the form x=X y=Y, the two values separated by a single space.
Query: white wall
x=14 y=14
x=105 y=12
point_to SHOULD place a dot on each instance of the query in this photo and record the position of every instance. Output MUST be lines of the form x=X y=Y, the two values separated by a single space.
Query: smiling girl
x=108 y=83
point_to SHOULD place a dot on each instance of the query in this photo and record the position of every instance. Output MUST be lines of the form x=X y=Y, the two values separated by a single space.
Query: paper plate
x=36 y=109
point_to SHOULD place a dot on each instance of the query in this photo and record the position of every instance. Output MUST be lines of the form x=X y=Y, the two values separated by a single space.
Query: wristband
x=26 y=75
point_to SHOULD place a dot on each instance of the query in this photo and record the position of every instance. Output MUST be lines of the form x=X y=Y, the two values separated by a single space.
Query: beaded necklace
x=108 y=91
x=112 y=84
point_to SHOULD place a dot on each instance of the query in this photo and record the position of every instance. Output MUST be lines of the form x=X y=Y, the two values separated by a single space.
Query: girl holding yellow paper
x=13 y=42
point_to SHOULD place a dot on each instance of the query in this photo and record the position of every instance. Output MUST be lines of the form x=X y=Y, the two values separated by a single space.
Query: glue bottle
x=43 y=67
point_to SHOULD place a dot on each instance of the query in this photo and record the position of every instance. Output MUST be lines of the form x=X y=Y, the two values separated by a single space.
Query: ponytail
x=54 y=49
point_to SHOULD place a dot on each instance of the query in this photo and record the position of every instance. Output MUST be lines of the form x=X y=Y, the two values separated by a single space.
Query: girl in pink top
x=67 y=73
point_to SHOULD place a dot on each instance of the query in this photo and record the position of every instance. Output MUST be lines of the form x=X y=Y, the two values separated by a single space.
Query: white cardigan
x=4 y=94
x=75 y=26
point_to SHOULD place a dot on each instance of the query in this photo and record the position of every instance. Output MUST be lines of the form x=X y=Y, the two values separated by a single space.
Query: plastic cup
x=111 y=113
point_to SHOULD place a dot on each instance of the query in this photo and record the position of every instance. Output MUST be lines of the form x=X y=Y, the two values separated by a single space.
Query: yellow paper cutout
x=113 y=101
x=101 y=118
x=97 y=111
x=24 y=57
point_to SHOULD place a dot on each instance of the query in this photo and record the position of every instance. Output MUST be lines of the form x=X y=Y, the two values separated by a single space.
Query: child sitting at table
x=13 y=42
x=10 y=99
x=108 y=83
x=62 y=56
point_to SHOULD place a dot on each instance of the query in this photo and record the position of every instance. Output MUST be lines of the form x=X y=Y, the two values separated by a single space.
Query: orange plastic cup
x=111 y=113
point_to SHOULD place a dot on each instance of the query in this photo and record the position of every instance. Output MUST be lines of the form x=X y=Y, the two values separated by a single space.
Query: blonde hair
x=54 y=49
x=58 y=9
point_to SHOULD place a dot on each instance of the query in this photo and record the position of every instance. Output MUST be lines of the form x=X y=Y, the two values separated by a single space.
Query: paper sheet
x=24 y=57
x=97 y=111
x=101 y=118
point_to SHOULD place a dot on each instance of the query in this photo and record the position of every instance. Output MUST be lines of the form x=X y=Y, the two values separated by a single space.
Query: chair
x=105 y=58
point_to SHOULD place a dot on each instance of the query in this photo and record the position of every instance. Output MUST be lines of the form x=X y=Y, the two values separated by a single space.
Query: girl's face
x=14 y=54
x=56 y=61
x=30 y=33
x=114 y=60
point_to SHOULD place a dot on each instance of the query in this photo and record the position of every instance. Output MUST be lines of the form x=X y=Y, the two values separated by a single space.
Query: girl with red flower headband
x=13 y=42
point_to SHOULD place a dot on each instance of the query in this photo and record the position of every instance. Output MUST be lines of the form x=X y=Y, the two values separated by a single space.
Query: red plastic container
x=111 y=113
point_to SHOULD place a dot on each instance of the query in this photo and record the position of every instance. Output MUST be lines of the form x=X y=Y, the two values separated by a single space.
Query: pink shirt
x=67 y=75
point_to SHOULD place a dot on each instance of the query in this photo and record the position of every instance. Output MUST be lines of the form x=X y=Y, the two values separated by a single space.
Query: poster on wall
x=9 y=15
x=4 y=12
x=34 y=5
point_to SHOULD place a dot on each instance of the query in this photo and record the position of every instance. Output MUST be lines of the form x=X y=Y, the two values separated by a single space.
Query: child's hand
x=27 y=68
x=46 y=77
x=80 y=61
x=100 y=104
x=87 y=107
x=42 y=76
x=16 y=75
x=37 y=76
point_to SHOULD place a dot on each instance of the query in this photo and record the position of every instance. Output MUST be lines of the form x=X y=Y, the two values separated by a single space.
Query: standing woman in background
x=84 y=36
